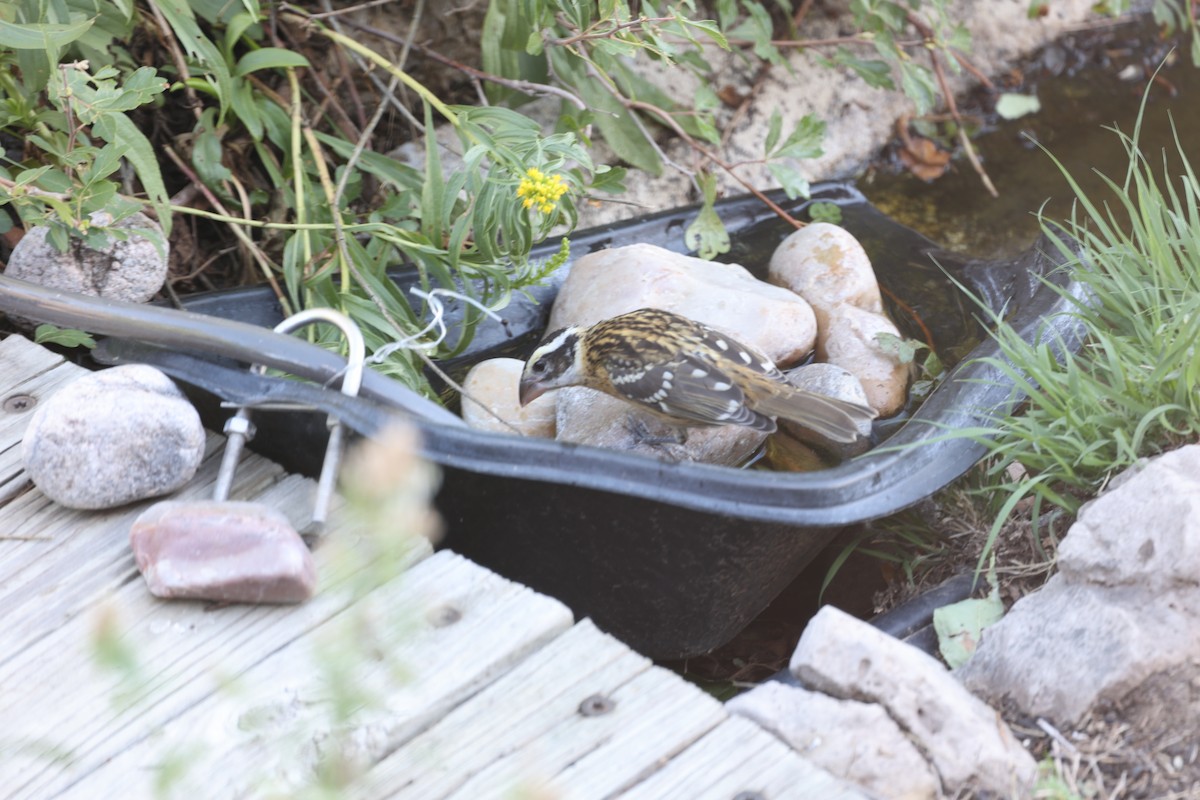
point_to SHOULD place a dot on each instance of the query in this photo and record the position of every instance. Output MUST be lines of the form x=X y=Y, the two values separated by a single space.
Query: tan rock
x=855 y=741
x=828 y=267
x=725 y=296
x=849 y=341
x=493 y=384
x=962 y=737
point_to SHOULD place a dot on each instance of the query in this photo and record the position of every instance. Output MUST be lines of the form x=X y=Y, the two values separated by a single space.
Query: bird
x=683 y=372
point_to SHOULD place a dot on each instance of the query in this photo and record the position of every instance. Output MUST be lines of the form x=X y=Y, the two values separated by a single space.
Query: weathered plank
x=435 y=636
x=740 y=759
x=52 y=693
x=55 y=561
x=584 y=717
x=35 y=372
x=68 y=576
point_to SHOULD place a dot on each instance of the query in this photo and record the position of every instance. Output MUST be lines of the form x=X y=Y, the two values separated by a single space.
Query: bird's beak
x=530 y=390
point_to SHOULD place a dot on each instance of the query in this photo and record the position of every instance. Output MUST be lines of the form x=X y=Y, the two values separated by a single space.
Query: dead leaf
x=924 y=158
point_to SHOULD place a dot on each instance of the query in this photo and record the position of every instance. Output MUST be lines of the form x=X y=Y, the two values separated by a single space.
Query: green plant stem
x=255 y=252
x=378 y=60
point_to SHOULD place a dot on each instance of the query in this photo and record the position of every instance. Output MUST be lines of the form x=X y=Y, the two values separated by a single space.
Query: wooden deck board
x=269 y=731
x=735 y=757
x=656 y=715
x=52 y=691
x=61 y=561
x=527 y=715
x=25 y=369
x=446 y=682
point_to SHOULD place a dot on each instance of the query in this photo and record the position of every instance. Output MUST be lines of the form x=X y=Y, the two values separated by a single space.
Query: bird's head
x=557 y=362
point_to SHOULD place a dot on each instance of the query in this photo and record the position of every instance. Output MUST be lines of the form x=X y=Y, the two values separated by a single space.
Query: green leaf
x=268 y=58
x=179 y=16
x=246 y=106
x=708 y=28
x=759 y=29
x=206 y=156
x=614 y=122
x=1015 y=106
x=960 y=625
x=42 y=36
x=825 y=212
x=609 y=179
x=707 y=235
x=790 y=179
x=118 y=129
x=805 y=141
x=917 y=83
x=774 y=129
x=511 y=46
x=874 y=72
x=903 y=350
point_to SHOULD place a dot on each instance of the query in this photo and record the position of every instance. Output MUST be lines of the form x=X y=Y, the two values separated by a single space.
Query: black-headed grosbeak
x=684 y=372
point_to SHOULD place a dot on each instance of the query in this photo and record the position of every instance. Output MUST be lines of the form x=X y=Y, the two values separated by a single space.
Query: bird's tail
x=832 y=417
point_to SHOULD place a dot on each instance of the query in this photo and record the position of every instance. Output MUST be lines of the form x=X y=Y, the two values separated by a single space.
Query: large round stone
x=113 y=437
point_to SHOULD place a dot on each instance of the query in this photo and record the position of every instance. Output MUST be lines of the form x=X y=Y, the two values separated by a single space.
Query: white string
x=438 y=321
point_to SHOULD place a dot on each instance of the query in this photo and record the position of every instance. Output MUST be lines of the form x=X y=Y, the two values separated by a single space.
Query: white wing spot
x=665 y=407
x=722 y=386
x=721 y=343
x=745 y=357
x=668 y=376
x=699 y=373
x=767 y=366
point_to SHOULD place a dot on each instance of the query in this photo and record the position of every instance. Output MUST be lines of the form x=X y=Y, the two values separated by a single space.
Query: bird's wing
x=690 y=388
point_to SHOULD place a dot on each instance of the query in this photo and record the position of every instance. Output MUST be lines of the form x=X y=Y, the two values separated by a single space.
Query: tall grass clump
x=1131 y=390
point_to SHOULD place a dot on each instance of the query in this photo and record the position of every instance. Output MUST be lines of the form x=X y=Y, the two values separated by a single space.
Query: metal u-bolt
x=356 y=354
x=239 y=429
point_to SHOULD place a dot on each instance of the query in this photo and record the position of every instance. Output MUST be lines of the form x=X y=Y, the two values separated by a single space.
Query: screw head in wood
x=19 y=403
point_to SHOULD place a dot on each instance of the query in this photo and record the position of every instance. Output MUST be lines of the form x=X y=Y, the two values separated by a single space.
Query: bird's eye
x=540 y=366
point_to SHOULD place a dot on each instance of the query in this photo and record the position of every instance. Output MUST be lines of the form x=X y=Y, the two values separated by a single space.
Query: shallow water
x=1085 y=82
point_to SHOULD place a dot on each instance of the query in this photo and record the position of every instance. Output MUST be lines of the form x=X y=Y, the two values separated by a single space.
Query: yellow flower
x=541 y=190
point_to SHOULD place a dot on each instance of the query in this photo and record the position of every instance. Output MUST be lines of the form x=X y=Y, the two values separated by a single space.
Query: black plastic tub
x=676 y=558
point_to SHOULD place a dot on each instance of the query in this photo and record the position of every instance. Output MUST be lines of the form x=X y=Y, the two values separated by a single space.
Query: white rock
x=112 y=437
x=828 y=267
x=132 y=269
x=727 y=297
x=1119 y=620
x=1145 y=531
x=855 y=741
x=966 y=741
x=834 y=381
x=495 y=383
x=849 y=342
x=586 y=416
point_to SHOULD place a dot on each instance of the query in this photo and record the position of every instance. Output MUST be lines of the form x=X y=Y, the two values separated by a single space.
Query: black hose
x=198 y=332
